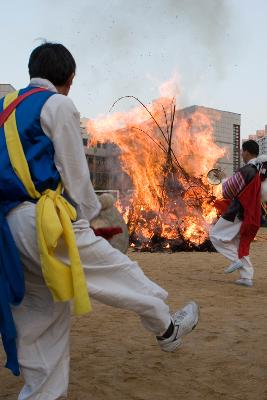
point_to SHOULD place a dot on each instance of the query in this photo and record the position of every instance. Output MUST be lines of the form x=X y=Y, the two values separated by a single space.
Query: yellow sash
x=53 y=220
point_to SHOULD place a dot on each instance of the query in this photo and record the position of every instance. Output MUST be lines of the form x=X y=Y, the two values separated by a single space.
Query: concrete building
x=104 y=164
x=251 y=137
x=262 y=142
x=261 y=138
x=260 y=133
x=5 y=88
x=105 y=168
x=226 y=134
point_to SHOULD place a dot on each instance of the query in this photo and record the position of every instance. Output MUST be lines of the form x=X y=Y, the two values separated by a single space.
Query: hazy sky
x=129 y=47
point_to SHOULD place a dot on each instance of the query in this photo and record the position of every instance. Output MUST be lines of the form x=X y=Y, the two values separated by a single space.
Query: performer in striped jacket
x=239 y=223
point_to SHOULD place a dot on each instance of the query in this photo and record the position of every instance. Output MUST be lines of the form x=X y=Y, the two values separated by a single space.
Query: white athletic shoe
x=244 y=282
x=233 y=267
x=184 y=321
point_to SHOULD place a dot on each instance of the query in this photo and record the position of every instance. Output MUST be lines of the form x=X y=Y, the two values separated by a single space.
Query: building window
x=236 y=147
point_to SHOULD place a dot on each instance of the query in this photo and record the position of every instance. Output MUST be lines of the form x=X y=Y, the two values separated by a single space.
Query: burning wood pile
x=167 y=157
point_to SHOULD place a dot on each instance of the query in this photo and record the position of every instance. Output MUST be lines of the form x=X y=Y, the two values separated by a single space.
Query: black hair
x=52 y=61
x=251 y=146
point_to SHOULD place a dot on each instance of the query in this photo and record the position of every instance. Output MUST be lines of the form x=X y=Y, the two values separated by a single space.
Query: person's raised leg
x=115 y=280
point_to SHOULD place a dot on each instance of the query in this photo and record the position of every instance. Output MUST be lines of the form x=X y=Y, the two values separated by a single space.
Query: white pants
x=224 y=236
x=43 y=326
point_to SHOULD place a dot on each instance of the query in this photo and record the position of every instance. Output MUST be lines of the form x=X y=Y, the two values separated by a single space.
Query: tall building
x=257 y=135
x=5 y=88
x=226 y=134
x=262 y=142
x=252 y=137
x=260 y=133
x=261 y=138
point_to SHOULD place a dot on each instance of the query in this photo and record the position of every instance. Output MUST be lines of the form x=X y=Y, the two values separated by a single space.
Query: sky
x=216 y=49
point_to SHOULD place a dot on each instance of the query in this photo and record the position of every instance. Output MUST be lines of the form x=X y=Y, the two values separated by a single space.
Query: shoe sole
x=243 y=284
x=171 y=347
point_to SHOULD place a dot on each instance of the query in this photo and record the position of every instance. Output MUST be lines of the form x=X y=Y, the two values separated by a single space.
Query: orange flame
x=140 y=136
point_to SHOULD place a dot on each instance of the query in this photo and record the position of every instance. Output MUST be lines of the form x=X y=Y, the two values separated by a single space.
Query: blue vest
x=39 y=152
x=38 y=149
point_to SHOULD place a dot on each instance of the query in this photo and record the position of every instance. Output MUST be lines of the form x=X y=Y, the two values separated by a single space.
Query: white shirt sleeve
x=60 y=121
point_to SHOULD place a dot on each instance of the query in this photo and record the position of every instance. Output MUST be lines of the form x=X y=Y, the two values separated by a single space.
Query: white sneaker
x=184 y=321
x=233 y=267
x=244 y=282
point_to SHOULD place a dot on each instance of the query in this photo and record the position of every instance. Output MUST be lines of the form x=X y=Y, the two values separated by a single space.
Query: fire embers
x=178 y=225
x=159 y=244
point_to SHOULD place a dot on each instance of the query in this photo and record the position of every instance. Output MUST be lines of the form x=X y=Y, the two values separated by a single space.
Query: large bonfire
x=167 y=158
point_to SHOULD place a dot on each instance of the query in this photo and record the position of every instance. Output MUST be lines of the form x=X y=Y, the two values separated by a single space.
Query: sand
x=225 y=358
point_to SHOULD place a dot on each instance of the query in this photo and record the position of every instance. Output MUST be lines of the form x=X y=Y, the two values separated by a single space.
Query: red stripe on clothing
x=233 y=186
x=9 y=109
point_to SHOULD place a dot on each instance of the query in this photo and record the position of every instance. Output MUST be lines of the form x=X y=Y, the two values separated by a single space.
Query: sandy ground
x=114 y=358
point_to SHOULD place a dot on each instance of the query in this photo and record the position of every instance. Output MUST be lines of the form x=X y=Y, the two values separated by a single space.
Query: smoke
x=209 y=23
x=118 y=43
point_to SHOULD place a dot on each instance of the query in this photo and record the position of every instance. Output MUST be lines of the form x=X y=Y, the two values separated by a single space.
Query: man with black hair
x=239 y=223
x=42 y=155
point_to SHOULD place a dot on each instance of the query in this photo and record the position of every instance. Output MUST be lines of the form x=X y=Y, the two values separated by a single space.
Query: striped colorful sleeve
x=233 y=186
